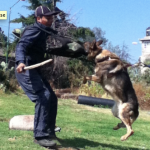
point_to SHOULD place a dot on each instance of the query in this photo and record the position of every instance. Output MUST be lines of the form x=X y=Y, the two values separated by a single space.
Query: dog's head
x=93 y=49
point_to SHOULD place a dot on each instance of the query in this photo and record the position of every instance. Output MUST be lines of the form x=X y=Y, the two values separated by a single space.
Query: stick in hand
x=38 y=65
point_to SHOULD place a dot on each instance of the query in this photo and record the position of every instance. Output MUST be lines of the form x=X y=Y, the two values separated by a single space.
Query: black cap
x=44 y=11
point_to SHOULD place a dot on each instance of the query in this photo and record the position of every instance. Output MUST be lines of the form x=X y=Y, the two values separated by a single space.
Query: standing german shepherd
x=111 y=73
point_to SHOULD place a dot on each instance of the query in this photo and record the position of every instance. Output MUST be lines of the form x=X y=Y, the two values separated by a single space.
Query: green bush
x=7 y=78
x=92 y=89
x=137 y=77
x=77 y=69
x=146 y=77
x=135 y=74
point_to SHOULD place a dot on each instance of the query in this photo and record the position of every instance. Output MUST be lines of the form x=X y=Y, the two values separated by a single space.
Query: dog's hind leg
x=124 y=115
x=92 y=78
x=119 y=125
x=115 y=111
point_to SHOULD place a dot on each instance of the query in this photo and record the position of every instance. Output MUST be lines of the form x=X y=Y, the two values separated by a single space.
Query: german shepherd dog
x=112 y=74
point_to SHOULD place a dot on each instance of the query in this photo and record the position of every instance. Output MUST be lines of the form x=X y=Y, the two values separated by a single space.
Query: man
x=30 y=50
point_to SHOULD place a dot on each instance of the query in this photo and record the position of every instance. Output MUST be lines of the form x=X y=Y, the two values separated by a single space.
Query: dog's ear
x=99 y=42
x=93 y=45
x=86 y=46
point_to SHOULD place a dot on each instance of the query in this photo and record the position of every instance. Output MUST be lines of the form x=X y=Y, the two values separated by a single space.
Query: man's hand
x=20 y=68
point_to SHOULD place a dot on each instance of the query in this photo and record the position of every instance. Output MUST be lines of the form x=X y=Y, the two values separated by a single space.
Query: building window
x=146 y=44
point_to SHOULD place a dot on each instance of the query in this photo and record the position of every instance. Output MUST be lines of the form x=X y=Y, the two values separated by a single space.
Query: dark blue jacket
x=32 y=45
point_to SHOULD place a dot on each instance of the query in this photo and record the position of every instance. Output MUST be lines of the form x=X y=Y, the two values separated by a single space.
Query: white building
x=145 y=43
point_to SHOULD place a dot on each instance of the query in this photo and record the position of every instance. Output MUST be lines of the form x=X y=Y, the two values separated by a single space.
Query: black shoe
x=45 y=141
x=53 y=136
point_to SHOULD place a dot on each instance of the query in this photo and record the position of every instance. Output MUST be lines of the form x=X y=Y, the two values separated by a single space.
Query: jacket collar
x=45 y=28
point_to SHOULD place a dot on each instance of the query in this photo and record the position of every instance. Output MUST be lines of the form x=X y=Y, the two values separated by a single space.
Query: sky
x=124 y=21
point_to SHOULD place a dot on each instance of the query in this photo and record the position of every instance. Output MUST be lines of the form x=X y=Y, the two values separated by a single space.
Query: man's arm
x=26 y=41
x=72 y=50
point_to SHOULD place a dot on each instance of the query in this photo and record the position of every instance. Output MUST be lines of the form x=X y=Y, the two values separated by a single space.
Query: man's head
x=44 y=15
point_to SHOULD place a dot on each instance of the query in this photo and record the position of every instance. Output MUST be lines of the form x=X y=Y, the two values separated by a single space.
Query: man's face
x=45 y=20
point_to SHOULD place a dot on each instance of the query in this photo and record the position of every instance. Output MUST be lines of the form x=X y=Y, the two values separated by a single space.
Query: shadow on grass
x=78 y=143
x=4 y=119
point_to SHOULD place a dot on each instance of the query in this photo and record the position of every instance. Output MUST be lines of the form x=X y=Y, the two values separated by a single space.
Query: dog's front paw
x=84 y=80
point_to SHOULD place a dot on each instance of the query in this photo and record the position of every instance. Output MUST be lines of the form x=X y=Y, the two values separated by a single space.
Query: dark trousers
x=39 y=91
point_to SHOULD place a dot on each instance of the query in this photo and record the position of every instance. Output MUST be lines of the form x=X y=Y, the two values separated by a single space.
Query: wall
x=145 y=54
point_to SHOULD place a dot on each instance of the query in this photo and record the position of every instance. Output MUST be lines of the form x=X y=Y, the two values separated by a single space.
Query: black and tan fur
x=111 y=73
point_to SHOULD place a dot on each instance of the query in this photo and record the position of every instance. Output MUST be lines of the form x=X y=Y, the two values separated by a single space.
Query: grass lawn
x=83 y=127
